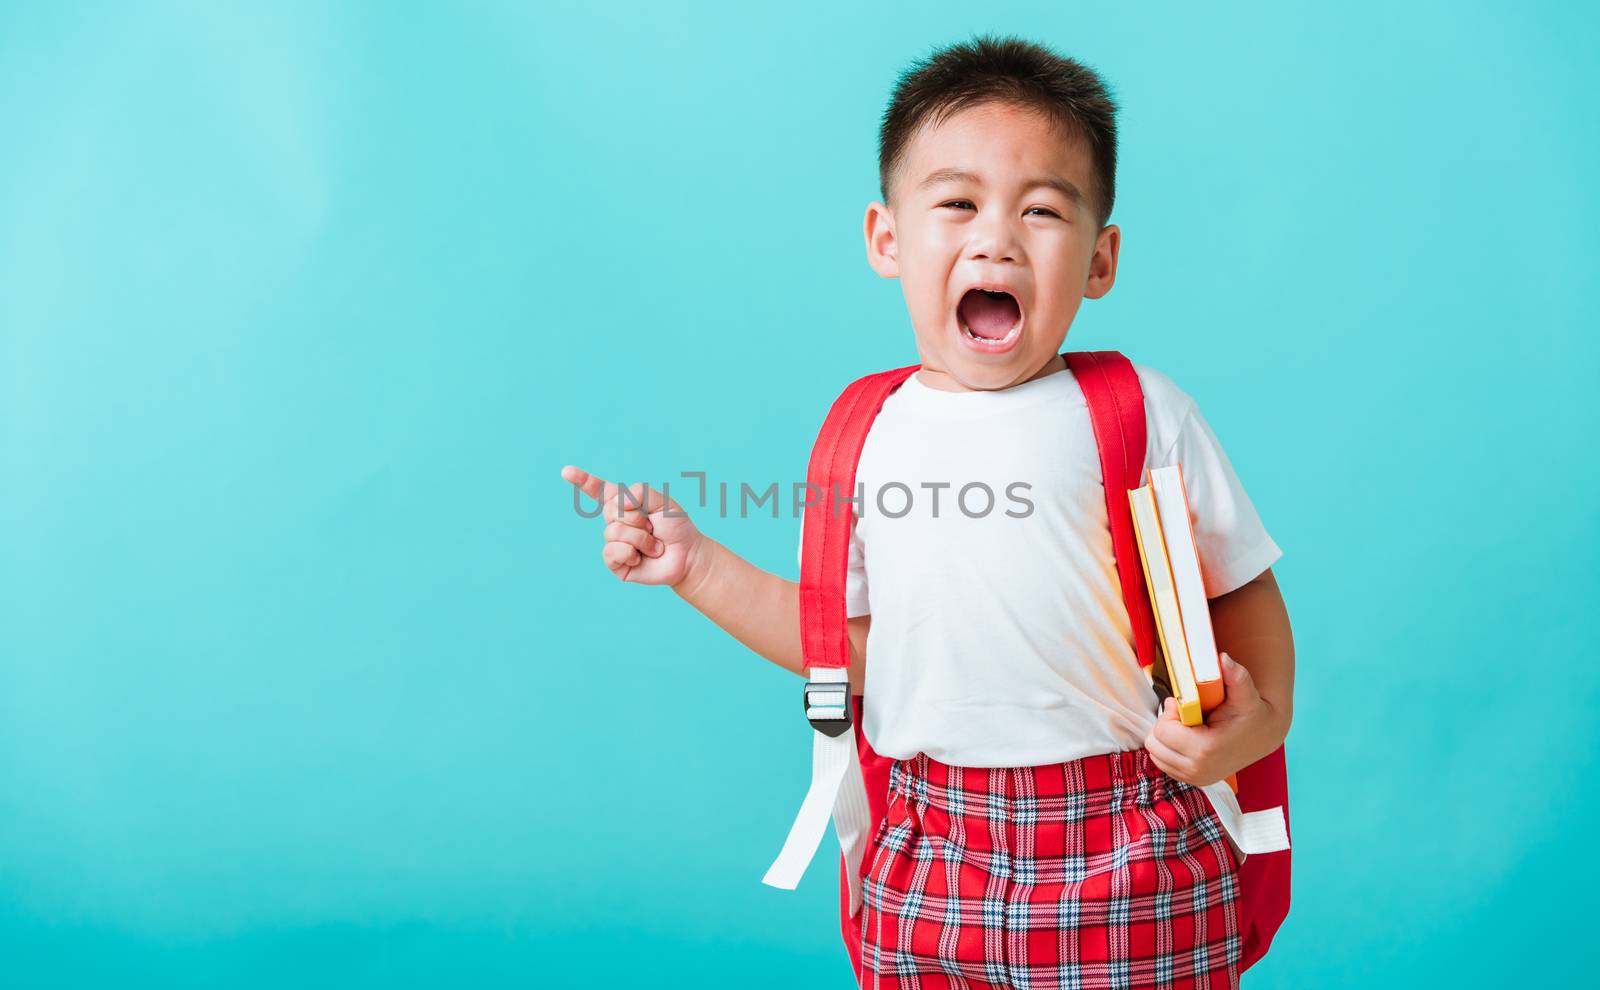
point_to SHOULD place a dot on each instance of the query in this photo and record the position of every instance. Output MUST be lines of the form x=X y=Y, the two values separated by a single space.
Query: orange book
x=1178 y=528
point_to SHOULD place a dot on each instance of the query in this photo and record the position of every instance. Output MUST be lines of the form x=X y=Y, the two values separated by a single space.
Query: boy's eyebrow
x=1057 y=183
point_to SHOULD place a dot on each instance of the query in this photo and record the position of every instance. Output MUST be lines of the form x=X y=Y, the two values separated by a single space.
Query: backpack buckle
x=827 y=698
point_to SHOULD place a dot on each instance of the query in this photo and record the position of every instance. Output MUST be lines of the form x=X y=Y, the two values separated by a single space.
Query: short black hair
x=1010 y=70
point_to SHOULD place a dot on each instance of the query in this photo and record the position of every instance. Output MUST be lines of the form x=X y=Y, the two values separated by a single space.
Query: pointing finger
x=589 y=484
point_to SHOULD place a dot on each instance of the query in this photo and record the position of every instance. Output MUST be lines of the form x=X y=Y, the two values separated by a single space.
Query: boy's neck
x=943 y=381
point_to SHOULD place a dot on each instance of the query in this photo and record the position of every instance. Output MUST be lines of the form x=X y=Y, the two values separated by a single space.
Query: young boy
x=1003 y=673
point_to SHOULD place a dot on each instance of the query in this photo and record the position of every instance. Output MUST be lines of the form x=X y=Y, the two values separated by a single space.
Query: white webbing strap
x=1248 y=831
x=837 y=791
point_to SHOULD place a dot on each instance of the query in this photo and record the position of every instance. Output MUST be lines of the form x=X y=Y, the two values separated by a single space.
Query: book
x=1177 y=528
x=1164 y=602
x=1164 y=530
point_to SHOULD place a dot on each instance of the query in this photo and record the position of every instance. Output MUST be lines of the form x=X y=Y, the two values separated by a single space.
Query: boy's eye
x=959 y=203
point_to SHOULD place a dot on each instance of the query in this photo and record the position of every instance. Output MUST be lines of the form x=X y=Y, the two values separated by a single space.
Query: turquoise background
x=310 y=676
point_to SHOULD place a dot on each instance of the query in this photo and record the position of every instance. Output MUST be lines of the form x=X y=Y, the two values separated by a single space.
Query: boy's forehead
x=995 y=143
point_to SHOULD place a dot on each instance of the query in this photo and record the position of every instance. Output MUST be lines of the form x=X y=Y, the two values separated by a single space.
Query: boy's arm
x=648 y=539
x=758 y=608
x=1251 y=624
x=1252 y=627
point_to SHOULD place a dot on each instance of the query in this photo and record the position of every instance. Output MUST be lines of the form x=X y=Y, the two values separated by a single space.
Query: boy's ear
x=881 y=244
x=1103 y=263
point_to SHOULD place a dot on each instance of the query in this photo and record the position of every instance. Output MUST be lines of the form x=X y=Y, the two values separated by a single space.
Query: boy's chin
x=1016 y=368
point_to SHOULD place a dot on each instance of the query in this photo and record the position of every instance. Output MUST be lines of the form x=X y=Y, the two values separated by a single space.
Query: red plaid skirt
x=1098 y=873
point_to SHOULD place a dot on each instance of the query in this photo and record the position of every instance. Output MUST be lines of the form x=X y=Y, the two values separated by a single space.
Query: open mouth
x=990 y=318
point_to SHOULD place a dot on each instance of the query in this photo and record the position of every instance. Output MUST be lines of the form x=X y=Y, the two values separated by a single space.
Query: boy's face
x=972 y=208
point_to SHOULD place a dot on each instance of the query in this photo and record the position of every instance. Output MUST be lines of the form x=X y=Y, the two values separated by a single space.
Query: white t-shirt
x=999 y=635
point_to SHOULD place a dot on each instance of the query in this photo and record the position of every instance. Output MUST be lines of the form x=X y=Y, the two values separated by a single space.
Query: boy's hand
x=642 y=546
x=1235 y=734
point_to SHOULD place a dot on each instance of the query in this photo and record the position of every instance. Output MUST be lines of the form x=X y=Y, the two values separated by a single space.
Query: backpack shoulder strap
x=1116 y=411
x=838 y=789
x=830 y=483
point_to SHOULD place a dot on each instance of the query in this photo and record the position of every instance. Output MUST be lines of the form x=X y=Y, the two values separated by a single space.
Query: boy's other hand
x=648 y=537
x=1235 y=734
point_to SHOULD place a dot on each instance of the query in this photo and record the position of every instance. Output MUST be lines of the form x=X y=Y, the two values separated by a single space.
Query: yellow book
x=1164 y=600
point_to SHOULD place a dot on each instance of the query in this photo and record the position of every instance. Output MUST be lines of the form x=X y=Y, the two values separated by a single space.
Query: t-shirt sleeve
x=855 y=580
x=1233 y=545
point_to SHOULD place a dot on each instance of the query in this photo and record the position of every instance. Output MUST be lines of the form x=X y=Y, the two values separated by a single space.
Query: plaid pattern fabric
x=1100 y=873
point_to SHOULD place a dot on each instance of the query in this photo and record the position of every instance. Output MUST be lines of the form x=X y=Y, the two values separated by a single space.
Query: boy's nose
x=994 y=241
x=980 y=256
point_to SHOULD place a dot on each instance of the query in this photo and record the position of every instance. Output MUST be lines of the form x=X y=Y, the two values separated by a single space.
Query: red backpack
x=1116 y=410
